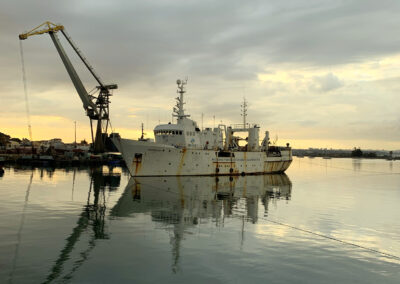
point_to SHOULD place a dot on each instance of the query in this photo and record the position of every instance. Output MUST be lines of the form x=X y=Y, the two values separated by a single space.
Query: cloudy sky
x=315 y=73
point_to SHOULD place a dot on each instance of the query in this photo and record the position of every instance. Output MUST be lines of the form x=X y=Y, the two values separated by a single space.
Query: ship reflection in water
x=180 y=203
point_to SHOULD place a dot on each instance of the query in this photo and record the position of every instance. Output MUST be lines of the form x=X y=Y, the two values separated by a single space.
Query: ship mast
x=179 y=112
x=244 y=112
x=142 y=136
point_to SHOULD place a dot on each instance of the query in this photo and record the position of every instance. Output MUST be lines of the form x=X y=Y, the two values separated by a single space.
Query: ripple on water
x=84 y=225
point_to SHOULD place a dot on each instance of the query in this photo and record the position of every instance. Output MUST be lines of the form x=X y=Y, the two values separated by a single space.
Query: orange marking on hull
x=245 y=161
x=181 y=162
x=138 y=165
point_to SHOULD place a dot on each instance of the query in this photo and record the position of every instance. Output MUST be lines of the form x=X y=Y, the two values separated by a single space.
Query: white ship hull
x=145 y=158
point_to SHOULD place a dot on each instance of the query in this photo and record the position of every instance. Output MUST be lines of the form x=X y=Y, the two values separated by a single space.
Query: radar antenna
x=179 y=112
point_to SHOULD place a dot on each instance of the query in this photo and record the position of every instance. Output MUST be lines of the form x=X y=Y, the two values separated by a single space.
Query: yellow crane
x=46 y=27
x=96 y=106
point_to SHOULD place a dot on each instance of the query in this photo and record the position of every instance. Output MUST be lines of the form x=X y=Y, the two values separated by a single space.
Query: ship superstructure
x=182 y=148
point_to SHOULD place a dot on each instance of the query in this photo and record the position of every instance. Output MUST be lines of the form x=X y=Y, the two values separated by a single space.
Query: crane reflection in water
x=175 y=204
x=91 y=218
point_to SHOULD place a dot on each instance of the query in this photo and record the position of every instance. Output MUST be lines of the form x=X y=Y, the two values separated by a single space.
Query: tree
x=356 y=152
x=4 y=138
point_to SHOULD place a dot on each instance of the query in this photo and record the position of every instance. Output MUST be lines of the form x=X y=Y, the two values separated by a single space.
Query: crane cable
x=28 y=116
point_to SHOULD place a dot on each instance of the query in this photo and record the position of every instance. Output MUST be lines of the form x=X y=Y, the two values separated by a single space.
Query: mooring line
x=333 y=239
x=319 y=235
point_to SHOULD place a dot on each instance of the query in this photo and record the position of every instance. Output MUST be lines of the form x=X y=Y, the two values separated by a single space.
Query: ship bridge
x=185 y=133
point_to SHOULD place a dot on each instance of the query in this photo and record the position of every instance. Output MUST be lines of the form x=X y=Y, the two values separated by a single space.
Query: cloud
x=279 y=54
x=326 y=83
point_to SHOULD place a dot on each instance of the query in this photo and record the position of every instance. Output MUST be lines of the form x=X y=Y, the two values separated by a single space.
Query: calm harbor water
x=321 y=222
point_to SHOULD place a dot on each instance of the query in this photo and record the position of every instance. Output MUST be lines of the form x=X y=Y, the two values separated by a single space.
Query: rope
x=333 y=239
x=28 y=116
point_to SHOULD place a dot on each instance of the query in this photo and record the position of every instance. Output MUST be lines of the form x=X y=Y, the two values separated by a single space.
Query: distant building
x=55 y=143
x=12 y=144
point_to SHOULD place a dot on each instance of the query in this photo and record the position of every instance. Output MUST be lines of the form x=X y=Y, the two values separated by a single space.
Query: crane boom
x=83 y=58
x=97 y=108
x=87 y=102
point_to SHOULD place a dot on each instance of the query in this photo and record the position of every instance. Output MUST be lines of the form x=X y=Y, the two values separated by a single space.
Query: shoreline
x=340 y=157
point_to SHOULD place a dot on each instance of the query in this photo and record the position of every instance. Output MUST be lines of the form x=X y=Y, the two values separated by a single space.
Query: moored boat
x=183 y=149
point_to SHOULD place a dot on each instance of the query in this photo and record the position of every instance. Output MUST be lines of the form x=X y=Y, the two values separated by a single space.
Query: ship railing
x=247 y=125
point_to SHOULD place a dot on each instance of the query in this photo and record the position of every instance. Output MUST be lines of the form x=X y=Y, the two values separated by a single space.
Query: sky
x=321 y=74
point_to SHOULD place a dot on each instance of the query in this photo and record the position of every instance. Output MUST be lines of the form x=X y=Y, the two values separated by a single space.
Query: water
x=84 y=225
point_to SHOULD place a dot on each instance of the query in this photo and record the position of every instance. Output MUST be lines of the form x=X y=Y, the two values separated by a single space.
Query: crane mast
x=96 y=107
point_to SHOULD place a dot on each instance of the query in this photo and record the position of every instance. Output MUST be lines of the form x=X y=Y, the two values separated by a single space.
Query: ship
x=183 y=149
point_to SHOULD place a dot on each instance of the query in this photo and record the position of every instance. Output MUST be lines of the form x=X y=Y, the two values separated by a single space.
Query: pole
x=75 y=134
